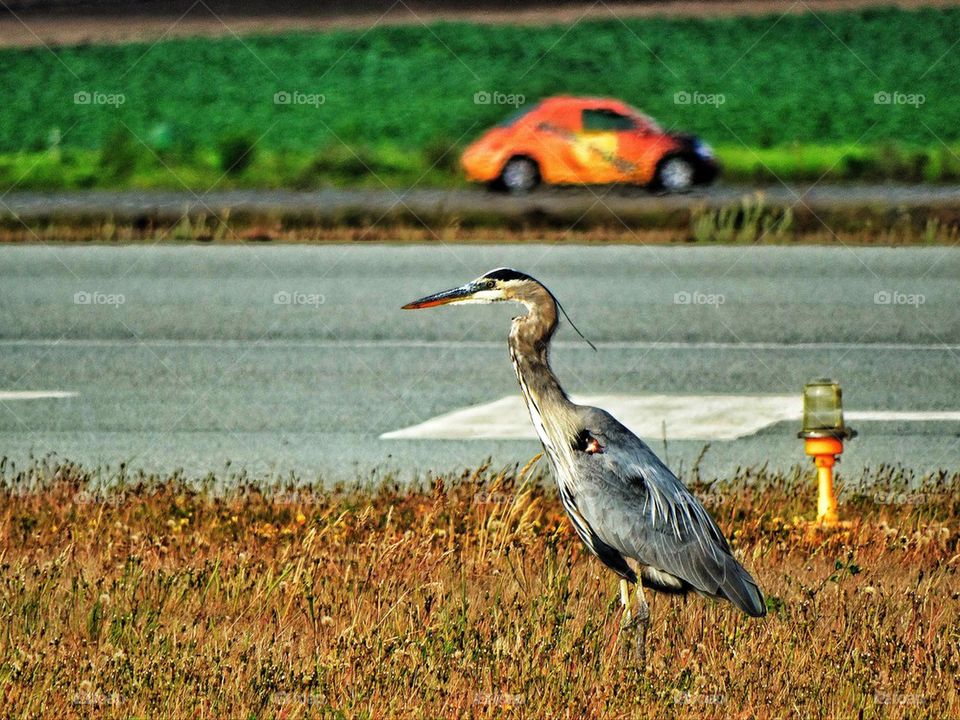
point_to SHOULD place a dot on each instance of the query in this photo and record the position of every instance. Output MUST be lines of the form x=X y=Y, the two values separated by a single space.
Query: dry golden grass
x=468 y=598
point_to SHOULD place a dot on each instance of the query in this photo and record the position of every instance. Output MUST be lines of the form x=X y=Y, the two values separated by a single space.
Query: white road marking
x=34 y=394
x=684 y=417
x=687 y=417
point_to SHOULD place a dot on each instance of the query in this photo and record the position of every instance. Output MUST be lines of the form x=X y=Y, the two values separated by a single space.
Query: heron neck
x=536 y=376
x=529 y=348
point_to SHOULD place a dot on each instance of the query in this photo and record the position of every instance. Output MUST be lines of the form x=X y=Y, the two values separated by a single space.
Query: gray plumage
x=639 y=509
x=622 y=500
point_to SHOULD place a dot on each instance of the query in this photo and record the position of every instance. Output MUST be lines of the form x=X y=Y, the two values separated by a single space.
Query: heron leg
x=634 y=624
x=625 y=601
x=643 y=622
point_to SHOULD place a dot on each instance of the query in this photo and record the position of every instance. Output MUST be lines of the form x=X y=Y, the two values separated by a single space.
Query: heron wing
x=638 y=507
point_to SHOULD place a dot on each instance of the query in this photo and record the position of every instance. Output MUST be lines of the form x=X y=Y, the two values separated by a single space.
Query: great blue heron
x=622 y=500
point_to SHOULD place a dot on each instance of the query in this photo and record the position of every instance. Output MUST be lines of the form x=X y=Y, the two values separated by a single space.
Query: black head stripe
x=505 y=274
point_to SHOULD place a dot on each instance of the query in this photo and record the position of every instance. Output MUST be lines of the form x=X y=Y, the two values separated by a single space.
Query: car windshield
x=512 y=119
x=644 y=121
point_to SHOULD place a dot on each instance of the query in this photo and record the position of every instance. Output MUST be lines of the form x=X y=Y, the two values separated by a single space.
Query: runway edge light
x=823 y=434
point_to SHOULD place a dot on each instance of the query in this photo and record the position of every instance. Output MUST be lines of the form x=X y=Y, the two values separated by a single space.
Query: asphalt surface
x=73 y=22
x=296 y=359
x=563 y=204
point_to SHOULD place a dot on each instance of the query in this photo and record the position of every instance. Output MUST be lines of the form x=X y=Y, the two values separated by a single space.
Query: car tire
x=675 y=174
x=520 y=175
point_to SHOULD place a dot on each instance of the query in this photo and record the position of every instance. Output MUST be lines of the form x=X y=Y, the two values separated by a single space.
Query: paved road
x=67 y=22
x=567 y=204
x=298 y=358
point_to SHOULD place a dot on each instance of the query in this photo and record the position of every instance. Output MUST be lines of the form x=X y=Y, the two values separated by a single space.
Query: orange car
x=574 y=140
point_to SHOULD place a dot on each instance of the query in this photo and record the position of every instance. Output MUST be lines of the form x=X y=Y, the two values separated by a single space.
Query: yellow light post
x=823 y=433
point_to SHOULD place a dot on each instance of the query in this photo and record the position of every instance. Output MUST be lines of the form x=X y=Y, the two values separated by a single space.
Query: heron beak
x=445 y=297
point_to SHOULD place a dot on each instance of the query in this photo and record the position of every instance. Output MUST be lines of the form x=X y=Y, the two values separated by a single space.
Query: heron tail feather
x=741 y=589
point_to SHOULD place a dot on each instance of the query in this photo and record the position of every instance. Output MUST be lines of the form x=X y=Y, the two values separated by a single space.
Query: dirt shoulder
x=885 y=215
x=53 y=24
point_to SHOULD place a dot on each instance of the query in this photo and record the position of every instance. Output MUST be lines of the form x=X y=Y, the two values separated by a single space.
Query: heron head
x=498 y=285
x=504 y=284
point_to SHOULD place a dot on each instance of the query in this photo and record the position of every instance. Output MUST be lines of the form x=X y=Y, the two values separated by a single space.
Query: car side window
x=601 y=119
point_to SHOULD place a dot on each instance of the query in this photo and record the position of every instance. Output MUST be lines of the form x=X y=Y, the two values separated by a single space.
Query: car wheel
x=520 y=175
x=675 y=174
